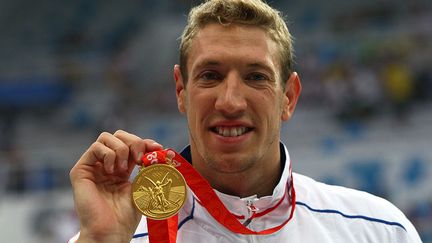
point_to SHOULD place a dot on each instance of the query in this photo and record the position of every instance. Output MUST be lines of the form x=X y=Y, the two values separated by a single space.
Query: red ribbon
x=163 y=231
x=166 y=230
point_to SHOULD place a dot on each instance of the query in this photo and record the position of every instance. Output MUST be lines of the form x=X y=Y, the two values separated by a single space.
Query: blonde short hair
x=248 y=12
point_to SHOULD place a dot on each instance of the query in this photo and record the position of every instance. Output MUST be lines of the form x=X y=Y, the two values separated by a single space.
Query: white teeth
x=235 y=132
x=230 y=131
x=226 y=132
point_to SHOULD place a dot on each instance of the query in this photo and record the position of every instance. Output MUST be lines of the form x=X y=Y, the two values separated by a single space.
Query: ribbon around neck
x=166 y=230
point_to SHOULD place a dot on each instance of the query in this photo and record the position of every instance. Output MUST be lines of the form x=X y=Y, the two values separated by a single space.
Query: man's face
x=234 y=99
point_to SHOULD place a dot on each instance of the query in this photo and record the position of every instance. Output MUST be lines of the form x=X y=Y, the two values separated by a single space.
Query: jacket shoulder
x=346 y=203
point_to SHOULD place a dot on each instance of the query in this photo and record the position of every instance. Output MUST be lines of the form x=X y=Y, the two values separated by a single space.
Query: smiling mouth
x=231 y=131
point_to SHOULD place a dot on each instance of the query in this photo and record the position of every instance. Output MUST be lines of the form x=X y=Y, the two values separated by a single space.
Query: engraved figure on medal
x=158 y=202
x=159 y=191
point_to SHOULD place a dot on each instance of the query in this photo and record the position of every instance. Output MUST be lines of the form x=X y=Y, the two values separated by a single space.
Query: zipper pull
x=251 y=210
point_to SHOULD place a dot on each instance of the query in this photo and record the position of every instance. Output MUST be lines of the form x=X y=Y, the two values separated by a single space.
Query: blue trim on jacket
x=332 y=211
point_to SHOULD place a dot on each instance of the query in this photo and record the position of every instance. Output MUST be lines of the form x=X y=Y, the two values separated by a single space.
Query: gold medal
x=159 y=191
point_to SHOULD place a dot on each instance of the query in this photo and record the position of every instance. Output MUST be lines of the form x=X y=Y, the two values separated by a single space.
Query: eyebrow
x=210 y=62
x=261 y=65
x=207 y=63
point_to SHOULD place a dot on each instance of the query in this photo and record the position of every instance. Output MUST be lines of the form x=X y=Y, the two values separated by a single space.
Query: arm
x=102 y=190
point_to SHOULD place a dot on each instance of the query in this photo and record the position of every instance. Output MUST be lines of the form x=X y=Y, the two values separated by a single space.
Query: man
x=235 y=84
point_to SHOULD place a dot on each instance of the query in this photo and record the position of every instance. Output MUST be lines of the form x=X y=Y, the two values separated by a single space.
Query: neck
x=260 y=179
x=244 y=184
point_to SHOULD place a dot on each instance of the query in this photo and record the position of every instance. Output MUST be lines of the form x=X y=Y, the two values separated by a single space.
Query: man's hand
x=102 y=190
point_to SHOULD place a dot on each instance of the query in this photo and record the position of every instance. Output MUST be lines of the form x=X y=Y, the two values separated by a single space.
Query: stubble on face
x=265 y=117
x=229 y=164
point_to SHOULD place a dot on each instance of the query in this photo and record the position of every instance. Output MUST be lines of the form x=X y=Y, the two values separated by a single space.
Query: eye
x=208 y=78
x=256 y=77
x=210 y=75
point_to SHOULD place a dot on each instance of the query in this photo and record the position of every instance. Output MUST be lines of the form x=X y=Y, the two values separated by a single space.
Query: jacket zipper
x=251 y=211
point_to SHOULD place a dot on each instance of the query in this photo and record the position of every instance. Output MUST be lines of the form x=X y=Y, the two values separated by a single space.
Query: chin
x=229 y=163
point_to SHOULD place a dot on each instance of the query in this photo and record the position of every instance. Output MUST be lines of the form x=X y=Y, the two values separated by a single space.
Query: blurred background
x=71 y=69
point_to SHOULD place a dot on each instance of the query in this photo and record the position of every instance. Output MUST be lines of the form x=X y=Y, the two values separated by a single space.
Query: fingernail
x=157 y=144
x=124 y=164
x=140 y=154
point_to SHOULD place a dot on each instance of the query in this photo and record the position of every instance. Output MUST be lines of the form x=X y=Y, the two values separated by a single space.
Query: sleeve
x=410 y=235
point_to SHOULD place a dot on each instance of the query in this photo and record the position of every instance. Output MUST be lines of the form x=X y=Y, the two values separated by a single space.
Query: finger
x=119 y=147
x=98 y=152
x=137 y=145
x=149 y=145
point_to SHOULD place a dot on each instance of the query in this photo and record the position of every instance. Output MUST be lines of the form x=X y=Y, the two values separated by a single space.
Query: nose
x=231 y=100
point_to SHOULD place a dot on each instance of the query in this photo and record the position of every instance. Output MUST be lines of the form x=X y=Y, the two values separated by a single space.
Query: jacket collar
x=238 y=206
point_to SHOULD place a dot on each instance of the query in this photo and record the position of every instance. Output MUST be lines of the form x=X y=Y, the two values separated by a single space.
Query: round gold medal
x=159 y=191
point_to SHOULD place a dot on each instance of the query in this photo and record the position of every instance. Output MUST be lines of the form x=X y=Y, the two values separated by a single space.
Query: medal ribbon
x=163 y=231
x=206 y=196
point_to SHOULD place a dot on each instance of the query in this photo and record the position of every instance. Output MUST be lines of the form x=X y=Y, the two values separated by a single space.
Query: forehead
x=233 y=43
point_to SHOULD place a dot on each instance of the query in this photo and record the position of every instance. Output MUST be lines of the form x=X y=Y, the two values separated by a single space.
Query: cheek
x=275 y=109
x=198 y=105
x=204 y=96
x=270 y=103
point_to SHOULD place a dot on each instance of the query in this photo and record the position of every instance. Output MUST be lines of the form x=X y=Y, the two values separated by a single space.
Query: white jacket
x=322 y=213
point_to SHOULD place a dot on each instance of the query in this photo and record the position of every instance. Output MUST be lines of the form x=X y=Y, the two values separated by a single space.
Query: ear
x=180 y=89
x=291 y=95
